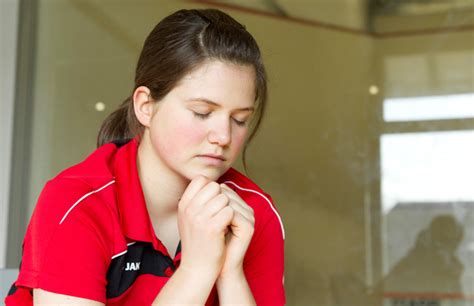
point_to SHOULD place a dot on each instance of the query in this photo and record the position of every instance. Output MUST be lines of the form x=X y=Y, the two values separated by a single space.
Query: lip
x=220 y=157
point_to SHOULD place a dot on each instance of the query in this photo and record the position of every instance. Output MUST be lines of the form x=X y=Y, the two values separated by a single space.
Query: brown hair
x=177 y=45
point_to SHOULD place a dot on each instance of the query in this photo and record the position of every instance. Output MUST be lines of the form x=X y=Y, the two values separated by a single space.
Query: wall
x=8 y=32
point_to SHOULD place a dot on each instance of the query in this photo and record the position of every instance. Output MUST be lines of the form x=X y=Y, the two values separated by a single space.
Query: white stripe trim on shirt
x=83 y=197
x=123 y=252
x=268 y=201
x=119 y=254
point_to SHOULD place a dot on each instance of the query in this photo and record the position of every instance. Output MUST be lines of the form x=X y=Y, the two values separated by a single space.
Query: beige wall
x=422 y=65
x=310 y=152
x=317 y=150
x=450 y=18
x=345 y=13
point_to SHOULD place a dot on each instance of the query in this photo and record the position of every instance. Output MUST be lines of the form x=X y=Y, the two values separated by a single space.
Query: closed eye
x=201 y=116
x=204 y=116
x=239 y=123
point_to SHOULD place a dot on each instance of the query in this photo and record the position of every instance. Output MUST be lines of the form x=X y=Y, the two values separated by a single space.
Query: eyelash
x=204 y=116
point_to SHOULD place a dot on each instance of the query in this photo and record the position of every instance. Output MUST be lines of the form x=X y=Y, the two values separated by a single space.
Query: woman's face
x=207 y=113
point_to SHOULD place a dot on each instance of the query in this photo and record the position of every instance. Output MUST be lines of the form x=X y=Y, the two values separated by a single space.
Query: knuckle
x=214 y=184
x=188 y=211
x=201 y=177
x=199 y=219
x=224 y=198
x=229 y=211
x=214 y=187
x=204 y=178
x=200 y=180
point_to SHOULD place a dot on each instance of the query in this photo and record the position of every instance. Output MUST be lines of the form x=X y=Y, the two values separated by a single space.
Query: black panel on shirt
x=141 y=258
x=178 y=249
x=12 y=290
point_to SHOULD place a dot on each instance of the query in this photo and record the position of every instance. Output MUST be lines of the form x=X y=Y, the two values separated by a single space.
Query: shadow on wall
x=432 y=264
x=430 y=272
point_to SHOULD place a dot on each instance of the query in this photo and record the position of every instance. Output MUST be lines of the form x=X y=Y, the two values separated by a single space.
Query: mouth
x=213 y=156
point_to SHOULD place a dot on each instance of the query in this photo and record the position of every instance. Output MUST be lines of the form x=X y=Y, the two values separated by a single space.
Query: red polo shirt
x=90 y=236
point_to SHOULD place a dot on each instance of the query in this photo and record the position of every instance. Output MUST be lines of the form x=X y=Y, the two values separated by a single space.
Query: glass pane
x=428 y=214
x=429 y=108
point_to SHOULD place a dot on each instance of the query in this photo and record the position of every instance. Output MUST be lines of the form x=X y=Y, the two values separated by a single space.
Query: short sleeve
x=65 y=251
x=264 y=264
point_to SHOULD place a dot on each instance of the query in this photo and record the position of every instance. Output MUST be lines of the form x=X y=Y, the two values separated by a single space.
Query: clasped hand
x=215 y=226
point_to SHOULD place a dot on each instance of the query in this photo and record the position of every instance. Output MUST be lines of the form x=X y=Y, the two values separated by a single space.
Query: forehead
x=230 y=85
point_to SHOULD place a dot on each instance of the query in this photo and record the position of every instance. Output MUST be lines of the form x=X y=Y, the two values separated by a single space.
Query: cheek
x=239 y=139
x=179 y=135
x=189 y=133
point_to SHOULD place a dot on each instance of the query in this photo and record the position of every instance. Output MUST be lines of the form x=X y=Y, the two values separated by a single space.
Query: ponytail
x=120 y=126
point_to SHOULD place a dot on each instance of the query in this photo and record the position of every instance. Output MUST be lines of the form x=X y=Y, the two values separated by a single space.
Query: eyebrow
x=217 y=104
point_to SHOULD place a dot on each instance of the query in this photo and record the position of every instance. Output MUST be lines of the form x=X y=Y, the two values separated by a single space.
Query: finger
x=223 y=218
x=241 y=211
x=206 y=194
x=240 y=225
x=215 y=205
x=234 y=196
x=194 y=187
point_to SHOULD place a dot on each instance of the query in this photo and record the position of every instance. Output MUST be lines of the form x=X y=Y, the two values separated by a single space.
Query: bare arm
x=234 y=290
x=186 y=287
x=46 y=298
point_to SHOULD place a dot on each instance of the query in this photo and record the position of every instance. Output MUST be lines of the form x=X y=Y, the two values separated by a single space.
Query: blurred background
x=367 y=147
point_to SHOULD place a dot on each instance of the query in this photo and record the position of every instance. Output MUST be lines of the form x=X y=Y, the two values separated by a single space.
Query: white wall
x=8 y=40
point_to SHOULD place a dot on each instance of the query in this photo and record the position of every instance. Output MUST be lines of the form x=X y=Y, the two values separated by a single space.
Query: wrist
x=199 y=271
x=186 y=287
x=233 y=289
x=231 y=275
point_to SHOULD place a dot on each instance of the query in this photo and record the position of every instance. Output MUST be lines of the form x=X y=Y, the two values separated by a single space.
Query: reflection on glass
x=429 y=108
x=428 y=217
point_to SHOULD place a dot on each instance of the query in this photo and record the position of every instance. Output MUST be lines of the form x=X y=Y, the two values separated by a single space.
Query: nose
x=220 y=132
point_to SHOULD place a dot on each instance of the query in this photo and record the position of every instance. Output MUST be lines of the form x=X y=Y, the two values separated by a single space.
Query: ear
x=143 y=105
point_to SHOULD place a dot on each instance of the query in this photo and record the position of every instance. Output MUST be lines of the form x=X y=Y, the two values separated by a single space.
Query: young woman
x=156 y=215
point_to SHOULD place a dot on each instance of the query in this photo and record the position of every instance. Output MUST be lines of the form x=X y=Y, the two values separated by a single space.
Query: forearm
x=186 y=287
x=233 y=289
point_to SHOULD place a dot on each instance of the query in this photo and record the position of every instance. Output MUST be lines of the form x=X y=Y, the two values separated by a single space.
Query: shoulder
x=98 y=165
x=82 y=195
x=265 y=211
x=74 y=213
x=247 y=189
x=88 y=181
x=64 y=197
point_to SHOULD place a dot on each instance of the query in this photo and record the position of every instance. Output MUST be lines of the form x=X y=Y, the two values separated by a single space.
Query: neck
x=162 y=188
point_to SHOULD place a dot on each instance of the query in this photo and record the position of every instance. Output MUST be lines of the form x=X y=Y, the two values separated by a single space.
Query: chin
x=212 y=173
